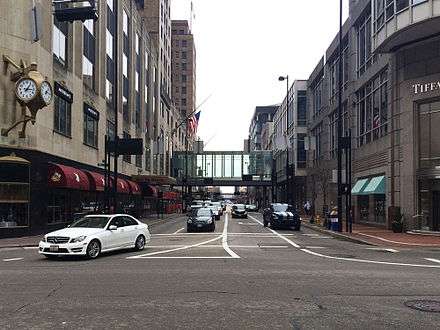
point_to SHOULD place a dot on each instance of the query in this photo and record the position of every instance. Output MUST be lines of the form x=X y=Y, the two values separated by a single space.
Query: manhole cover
x=349 y=256
x=431 y=306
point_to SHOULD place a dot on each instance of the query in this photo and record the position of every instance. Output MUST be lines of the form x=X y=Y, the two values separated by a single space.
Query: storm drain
x=431 y=306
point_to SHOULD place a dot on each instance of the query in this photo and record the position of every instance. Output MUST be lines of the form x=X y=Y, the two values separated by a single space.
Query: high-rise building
x=86 y=63
x=157 y=17
x=183 y=67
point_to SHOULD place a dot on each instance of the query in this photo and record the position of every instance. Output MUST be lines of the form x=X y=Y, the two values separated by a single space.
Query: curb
x=14 y=246
x=338 y=235
x=154 y=220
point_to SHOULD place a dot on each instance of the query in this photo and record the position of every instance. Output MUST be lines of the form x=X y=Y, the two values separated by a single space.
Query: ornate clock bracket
x=24 y=70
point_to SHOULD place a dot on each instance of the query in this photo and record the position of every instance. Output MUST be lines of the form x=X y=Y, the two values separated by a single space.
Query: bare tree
x=320 y=177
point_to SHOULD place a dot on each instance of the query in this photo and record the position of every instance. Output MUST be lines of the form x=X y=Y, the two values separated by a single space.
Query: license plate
x=54 y=248
x=199 y=225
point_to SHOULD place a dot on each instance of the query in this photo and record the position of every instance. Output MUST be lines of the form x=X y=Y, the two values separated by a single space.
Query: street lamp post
x=281 y=78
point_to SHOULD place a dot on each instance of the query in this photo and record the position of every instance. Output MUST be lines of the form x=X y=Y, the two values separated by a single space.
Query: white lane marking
x=433 y=260
x=382 y=249
x=30 y=247
x=396 y=242
x=311 y=235
x=175 y=249
x=178 y=231
x=164 y=257
x=273 y=247
x=369 y=261
x=12 y=259
x=276 y=233
x=225 y=239
x=315 y=247
x=211 y=234
x=348 y=259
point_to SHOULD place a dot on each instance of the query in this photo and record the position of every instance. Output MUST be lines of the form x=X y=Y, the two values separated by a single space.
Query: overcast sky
x=242 y=47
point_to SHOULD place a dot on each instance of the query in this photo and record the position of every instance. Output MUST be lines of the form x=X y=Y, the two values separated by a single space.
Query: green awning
x=376 y=186
x=359 y=186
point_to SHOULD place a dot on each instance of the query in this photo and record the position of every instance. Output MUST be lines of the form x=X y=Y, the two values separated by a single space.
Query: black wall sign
x=91 y=111
x=63 y=92
x=127 y=146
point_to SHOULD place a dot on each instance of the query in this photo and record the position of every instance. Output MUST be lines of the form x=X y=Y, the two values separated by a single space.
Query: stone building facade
x=80 y=60
x=391 y=59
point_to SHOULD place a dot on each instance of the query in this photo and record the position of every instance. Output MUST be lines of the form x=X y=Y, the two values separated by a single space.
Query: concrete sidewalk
x=32 y=241
x=371 y=235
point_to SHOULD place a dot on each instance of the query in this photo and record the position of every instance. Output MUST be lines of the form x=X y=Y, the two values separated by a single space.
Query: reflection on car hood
x=75 y=232
x=285 y=214
x=202 y=219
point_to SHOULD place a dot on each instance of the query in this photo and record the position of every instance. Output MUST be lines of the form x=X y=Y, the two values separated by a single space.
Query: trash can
x=334 y=225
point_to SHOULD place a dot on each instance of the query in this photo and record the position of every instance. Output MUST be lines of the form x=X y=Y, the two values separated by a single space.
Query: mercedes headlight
x=275 y=217
x=43 y=239
x=78 y=239
x=209 y=221
x=190 y=221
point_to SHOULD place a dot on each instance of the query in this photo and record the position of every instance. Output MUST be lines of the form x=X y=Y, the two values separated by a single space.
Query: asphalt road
x=242 y=276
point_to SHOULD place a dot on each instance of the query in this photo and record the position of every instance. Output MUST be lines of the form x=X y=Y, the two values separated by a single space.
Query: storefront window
x=379 y=208
x=14 y=192
x=363 y=205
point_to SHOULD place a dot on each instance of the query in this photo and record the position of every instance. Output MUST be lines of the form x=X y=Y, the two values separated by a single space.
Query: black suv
x=281 y=216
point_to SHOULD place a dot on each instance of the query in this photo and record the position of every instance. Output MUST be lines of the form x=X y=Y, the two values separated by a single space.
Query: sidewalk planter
x=397 y=225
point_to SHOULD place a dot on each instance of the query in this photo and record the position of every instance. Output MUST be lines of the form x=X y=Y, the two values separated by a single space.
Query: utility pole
x=340 y=122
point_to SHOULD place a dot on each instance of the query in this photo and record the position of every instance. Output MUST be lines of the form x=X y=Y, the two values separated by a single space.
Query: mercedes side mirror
x=112 y=227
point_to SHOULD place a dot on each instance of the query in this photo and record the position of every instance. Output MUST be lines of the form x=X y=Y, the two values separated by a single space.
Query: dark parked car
x=281 y=216
x=200 y=218
x=239 y=211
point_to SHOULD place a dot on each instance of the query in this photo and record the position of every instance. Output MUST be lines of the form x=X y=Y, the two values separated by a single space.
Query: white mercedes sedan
x=94 y=234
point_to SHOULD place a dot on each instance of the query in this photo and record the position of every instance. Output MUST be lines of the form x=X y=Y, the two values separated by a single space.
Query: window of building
x=183 y=78
x=138 y=161
x=125 y=22
x=429 y=139
x=126 y=158
x=334 y=72
x=364 y=54
x=184 y=43
x=184 y=55
x=183 y=102
x=302 y=108
x=317 y=136
x=372 y=108
x=301 y=155
x=88 y=53
x=91 y=119
x=333 y=128
x=317 y=97
x=62 y=116
x=110 y=130
x=59 y=41
x=184 y=66
x=109 y=44
x=184 y=90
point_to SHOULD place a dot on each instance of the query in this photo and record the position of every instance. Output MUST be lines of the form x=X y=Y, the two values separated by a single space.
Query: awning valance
x=150 y=191
x=62 y=176
x=97 y=181
x=359 y=187
x=135 y=189
x=123 y=186
x=376 y=186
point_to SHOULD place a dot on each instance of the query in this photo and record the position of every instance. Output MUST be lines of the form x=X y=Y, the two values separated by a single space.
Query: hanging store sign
x=62 y=92
x=425 y=88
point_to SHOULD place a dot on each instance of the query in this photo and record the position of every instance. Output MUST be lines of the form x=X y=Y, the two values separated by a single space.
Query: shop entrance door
x=435 y=210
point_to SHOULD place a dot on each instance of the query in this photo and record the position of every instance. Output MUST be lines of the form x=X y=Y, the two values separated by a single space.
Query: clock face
x=26 y=89
x=46 y=92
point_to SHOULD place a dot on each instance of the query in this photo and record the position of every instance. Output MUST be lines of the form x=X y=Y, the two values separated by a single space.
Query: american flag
x=376 y=121
x=193 y=123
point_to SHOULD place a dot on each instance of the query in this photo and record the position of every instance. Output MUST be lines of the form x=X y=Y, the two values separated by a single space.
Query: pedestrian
x=307 y=207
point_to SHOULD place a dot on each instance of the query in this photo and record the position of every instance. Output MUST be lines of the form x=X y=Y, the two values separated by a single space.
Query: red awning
x=170 y=195
x=135 y=189
x=61 y=176
x=97 y=181
x=123 y=186
x=151 y=191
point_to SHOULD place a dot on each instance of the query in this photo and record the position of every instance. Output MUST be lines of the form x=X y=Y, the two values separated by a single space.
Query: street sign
x=127 y=146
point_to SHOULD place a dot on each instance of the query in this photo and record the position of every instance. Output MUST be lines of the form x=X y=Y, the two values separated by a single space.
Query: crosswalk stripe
x=12 y=259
